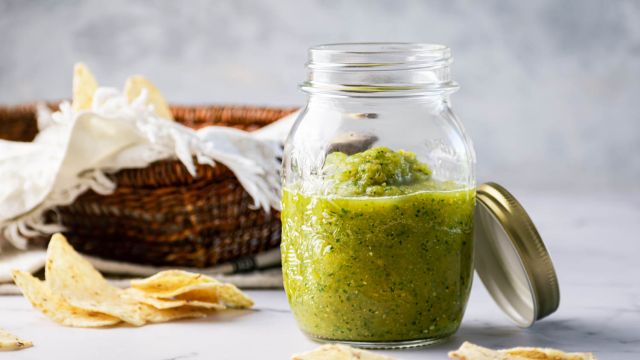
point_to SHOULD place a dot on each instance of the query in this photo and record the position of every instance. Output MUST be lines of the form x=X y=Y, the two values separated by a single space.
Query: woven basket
x=161 y=215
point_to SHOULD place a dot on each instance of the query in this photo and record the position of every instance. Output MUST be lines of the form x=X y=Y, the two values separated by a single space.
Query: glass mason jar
x=378 y=198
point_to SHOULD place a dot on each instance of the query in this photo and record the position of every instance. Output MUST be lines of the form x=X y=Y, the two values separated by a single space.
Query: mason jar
x=378 y=198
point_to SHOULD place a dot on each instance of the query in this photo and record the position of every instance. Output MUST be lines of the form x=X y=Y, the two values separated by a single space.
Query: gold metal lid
x=511 y=258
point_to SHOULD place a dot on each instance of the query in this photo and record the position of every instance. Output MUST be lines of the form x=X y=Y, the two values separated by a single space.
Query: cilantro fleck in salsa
x=377 y=250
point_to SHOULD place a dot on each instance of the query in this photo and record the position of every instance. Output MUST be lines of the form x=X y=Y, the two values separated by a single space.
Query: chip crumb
x=9 y=342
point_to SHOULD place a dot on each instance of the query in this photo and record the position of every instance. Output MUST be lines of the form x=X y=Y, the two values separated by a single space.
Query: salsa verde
x=378 y=251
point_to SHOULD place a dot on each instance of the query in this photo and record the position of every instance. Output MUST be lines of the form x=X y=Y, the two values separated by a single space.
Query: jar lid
x=511 y=258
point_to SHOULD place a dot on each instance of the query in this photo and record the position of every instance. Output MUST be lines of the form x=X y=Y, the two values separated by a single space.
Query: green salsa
x=378 y=250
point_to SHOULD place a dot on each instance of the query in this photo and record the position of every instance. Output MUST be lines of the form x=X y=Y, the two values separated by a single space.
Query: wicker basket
x=160 y=214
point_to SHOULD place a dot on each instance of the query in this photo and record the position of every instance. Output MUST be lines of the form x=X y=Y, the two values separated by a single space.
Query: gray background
x=550 y=89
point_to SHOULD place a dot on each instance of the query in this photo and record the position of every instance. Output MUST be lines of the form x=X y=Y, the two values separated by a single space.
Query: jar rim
x=379 y=56
x=379 y=69
x=379 y=47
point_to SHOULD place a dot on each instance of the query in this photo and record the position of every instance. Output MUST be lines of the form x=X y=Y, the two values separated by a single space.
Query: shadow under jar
x=378 y=198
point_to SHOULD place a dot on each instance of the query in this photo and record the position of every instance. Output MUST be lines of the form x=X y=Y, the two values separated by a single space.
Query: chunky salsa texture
x=380 y=252
x=376 y=172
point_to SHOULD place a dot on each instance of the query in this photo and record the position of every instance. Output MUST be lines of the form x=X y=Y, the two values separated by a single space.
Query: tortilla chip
x=202 y=291
x=141 y=297
x=546 y=354
x=167 y=284
x=159 y=303
x=84 y=86
x=196 y=289
x=161 y=310
x=339 y=352
x=55 y=307
x=133 y=88
x=8 y=341
x=469 y=351
x=73 y=278
x=231 y=296
x=153 y=315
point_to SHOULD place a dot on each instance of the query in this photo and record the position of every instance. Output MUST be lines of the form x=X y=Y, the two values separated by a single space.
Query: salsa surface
x=379 y=251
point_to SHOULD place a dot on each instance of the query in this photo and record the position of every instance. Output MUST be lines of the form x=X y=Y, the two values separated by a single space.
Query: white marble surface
x=593 y=240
